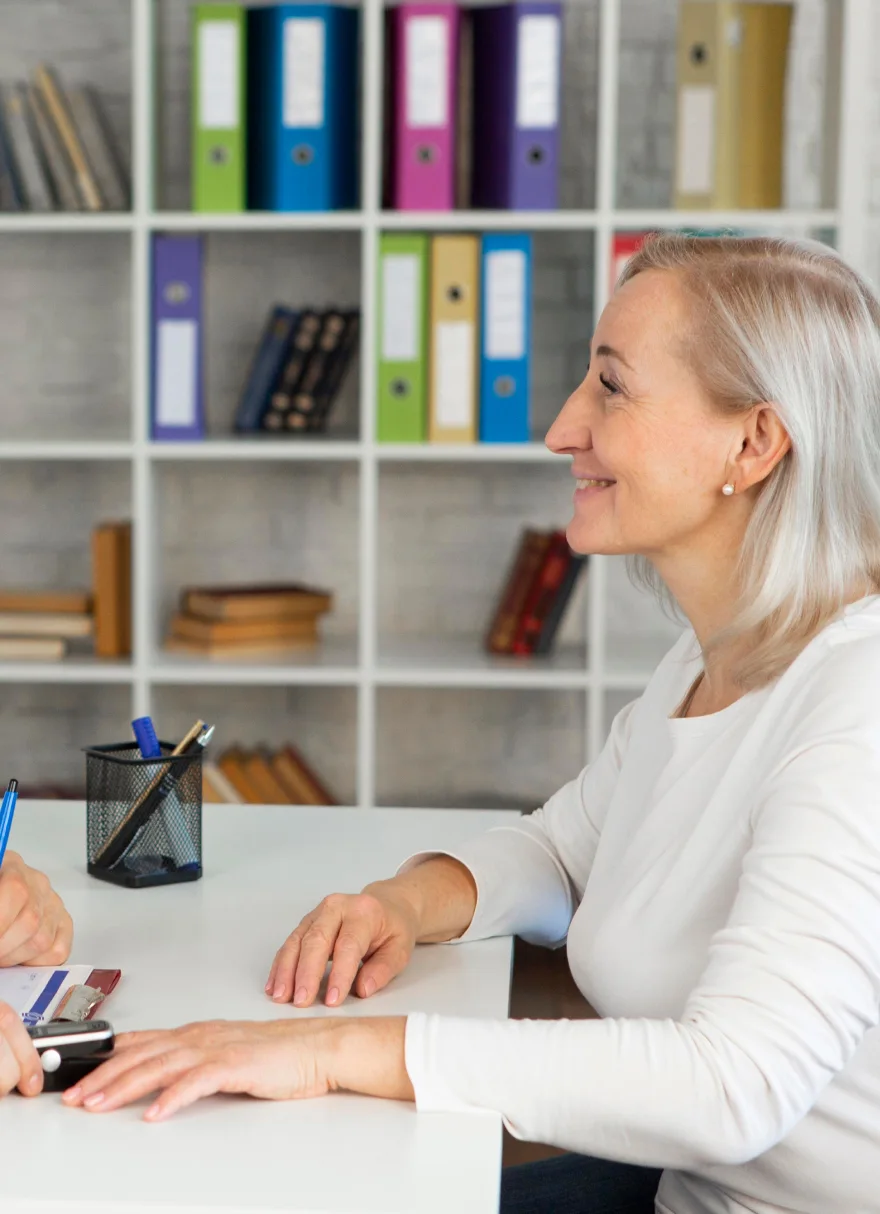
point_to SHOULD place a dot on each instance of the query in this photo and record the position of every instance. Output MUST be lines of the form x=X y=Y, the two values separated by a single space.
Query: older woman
x=716 y=872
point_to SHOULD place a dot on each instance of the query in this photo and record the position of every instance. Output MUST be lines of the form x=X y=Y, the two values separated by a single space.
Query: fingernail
x=332 y=995
x=278 y=993
x=92 y=1102
x=33 y=1083
x=72 y=1095
x=268 y=988
x=369 y=987
x=153 y=1111
x=301 y=996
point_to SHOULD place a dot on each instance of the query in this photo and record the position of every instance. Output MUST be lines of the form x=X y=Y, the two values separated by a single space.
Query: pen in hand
x=7 y=812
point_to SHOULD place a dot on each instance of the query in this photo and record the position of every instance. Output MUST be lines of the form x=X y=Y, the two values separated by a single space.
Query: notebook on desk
x=40 y=993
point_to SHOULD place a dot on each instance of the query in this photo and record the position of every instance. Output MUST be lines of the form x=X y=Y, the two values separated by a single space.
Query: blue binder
x=505 y=337
x=302 y=107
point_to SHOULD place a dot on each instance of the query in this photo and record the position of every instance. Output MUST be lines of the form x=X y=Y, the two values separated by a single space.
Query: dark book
x=264 y=369
x=324 y=372
x=557 y=610
x=541 y=594
x=301 y=344
x=464 y=116
x=520 y=575
x=10 y=193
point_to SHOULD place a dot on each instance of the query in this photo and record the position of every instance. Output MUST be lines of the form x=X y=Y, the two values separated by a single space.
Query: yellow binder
x=732 y=59
x=452 y=404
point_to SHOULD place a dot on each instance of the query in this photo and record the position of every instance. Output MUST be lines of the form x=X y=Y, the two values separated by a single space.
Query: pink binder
x=425 y=74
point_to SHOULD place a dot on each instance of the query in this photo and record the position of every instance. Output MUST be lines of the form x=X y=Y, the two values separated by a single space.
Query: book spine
x=264 y=369
x=522 y=576
x=301 y=345
x=100 y=150
x=558 y=607
x=304 y=401
x=56 y=105
x=541 y=595
x=335 y=371
x=33 y=185
x=10 y=196
x=60 y=173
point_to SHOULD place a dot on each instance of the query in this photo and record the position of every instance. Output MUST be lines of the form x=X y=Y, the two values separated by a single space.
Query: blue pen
x=173 y=819
x=7 y=812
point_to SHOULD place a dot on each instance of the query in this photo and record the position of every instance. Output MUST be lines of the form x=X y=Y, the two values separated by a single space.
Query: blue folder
x=302 y=107
x=505 y=337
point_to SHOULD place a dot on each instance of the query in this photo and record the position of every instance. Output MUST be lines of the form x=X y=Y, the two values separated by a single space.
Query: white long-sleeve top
x=718 y=882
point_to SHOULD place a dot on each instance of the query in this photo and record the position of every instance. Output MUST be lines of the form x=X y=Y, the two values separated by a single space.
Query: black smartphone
x=69 y=1050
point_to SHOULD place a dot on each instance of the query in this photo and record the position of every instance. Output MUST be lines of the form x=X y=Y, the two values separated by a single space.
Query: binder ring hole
x=302 y=154
x=455 y=294
x=504 y=385
x=425 y=153
x=535 y=155
x=176 y=293
x=399 y=387
x=699 y=54
x=219 y=155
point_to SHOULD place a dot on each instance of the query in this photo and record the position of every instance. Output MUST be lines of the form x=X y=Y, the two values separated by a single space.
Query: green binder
x=402 y=408
x=218 y=107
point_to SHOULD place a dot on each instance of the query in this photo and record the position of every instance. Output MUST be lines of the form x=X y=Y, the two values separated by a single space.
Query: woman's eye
x=610 y=387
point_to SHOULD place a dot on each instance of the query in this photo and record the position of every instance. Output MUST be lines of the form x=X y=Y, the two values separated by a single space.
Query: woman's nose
x=570 y=431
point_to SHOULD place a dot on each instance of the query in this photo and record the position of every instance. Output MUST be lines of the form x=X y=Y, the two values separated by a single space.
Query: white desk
x=202 y=951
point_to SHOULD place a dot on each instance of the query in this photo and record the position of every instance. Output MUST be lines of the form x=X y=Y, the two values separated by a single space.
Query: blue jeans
x=578 y=1184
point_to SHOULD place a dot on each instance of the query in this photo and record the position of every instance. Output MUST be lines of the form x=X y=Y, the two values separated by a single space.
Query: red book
x=542 y=594
x=623 y=245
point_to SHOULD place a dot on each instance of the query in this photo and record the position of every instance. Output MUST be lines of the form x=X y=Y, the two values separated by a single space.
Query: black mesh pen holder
x=143 y=816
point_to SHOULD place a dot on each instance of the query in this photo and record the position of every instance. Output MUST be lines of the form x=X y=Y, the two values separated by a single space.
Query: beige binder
x=452 y=406
x=732 y=59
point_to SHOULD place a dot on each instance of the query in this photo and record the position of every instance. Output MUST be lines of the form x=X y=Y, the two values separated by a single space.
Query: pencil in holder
x=143 y=816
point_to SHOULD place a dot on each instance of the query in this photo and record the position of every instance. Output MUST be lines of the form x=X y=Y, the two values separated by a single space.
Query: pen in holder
x=144 y=816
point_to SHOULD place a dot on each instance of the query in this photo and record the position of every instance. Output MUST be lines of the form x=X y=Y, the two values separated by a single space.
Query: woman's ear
x=764 y=441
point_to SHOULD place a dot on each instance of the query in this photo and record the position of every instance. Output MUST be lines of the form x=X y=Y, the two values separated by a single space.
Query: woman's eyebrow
x=610 y=352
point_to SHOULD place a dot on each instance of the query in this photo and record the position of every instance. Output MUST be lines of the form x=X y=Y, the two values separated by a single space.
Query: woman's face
x=641 y=420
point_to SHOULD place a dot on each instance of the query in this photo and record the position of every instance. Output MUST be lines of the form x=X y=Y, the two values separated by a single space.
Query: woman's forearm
x=442 y=894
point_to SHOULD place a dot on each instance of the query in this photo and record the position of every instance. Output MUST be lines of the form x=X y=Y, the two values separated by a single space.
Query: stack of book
x=242 y=621
x=47 y=625
x=56 y=149
x=297 y=370
x=454 y=337
x=472 y=106
x=274 y=107
x=536 y=592
x=261 y=777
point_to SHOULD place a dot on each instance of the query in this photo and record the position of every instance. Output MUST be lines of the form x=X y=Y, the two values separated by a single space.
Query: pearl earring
x=727 y=489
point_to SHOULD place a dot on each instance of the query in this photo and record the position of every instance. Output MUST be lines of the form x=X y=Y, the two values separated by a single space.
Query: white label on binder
x=400 y=306
x=537 y=74
x=427 y=52
x=218 y=75
x=695 y=162
x=176 y=372
x=454 y=374
x=303 y=72
x=506 y=304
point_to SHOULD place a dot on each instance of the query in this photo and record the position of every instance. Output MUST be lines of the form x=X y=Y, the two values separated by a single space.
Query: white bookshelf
x=365 y=663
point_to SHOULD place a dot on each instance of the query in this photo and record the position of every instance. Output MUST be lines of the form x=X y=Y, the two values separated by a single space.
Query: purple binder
x=176 y=393
x=517 y=58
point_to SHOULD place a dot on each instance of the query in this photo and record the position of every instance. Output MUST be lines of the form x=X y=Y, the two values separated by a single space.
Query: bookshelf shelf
x=85 y=669
x=72 y=451
x=327 y=448
x=461 y=662
x=381 y=491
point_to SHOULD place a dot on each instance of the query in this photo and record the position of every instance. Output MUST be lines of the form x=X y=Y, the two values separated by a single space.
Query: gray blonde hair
x=789 y=323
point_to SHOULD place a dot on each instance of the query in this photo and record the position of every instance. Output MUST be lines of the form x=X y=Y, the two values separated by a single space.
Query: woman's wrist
x=367 y=1055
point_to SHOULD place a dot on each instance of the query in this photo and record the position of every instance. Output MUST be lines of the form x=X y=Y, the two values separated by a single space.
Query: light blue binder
x=505 y=337
x=302 y=107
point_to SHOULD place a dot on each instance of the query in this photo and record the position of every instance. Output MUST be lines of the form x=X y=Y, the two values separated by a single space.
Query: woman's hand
x=35 y=929
x=277 y=1060
x=379 y=927
x=19 y=1062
